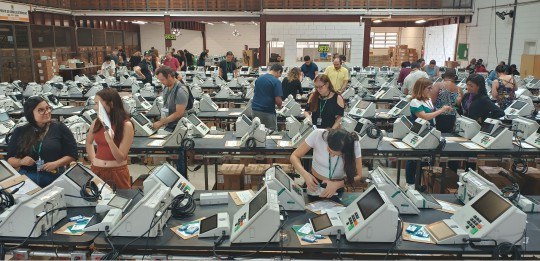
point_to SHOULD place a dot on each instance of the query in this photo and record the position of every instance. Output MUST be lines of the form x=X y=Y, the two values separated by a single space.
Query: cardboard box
x=432 y=180
x=288 y=168
x=253 y=174
x=229 y=177
x=492 y=174
x=531 y=182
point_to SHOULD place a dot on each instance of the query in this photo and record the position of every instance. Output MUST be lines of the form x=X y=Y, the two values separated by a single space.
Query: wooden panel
x=119 y=5
x=136 y=5
x=157 y=4
x=251 y=5
x=177 y=4
x=277 y=4
x=378 y=3
x=197 y=5
x=402 y=3
x=358 y=3
x=427 y=3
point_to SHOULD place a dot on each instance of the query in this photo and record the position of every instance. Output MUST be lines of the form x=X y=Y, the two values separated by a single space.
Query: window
x=383 y=40
x=276 y=51
x=330 y=47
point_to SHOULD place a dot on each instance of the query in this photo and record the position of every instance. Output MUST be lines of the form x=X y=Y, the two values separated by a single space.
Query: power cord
x=398 y=235
x=217 y=243
x=182 y=206
x=6 y=197
x=338 y=244
x=519 y=166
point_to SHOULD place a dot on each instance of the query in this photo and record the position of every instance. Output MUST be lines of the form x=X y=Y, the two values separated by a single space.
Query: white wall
x=190 y=40
x=220 y=39
x=440 y=43
x=290 y=32
x=482 y=35
x=413 y=37
x=152 y=35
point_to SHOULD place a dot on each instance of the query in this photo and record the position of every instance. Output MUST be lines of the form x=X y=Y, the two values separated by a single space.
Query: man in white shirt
x=411 y=79
x=108 y=67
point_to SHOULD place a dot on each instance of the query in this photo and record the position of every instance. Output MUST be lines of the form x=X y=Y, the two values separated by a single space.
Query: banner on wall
x=14 y=12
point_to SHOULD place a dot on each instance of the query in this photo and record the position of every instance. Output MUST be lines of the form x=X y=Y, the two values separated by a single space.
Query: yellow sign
x=323 y=48
x=170 y=36
x=14 y=12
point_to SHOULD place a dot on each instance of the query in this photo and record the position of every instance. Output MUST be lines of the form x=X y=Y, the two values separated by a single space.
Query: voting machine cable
x=34 y=227
x=519 y=166
x=217 y=243
x=503 y=249
x=338 y=244
x=182 y=206
x=398 y=235
x=6 y=197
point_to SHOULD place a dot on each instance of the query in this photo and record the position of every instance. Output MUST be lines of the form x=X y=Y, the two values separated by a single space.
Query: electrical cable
x=338 y=244
x=182 y=206
x=52 y=231
x=519 y=166
x=398 y=235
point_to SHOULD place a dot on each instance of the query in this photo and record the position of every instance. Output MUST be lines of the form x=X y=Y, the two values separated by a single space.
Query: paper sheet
x=158 y=136
x=242 y=197
x=214 y=136
x=223 y=109
x=285 y=143
x=321 y=206
x=471 y=146
x=156 y=143
x=448 y=207
x=185 y=235
x=274 y=137
x=418 y=234
x=68 y=107
x=232 y=143
x=104 y=118
x=525 y=145
x=388 y=139
x=235 y=113
x=456 y=139
x=400 y=145
x=76 y=112
x=299 y=234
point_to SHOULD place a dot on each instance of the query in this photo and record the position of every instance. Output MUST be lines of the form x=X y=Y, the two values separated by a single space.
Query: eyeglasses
x=429 y=87
x=42 y=111
x=320 y=86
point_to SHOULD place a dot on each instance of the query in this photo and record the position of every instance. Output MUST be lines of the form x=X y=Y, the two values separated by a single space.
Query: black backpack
x=191 y=99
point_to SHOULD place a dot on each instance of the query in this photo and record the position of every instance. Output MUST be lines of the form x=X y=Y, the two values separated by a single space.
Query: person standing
x=135 y=59
x=291 y=84
x=202 y=57
x=404 y=72
x=171 y=61
x=325 y=107
x=446 y=93
x=145 y=69
x=266 y=96
x=41 y=149
x=189 y=57
x=108 y=67
x=339 y=76
x=432 y=70
x=227 y=68
x=411 y=79
x=175 y=102
x=504 y=87
x=309 y=68
x=183 y=63
x=476 y=103
x=110 y=161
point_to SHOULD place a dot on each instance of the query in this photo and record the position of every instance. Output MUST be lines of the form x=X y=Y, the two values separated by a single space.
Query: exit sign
x=170 y=37
x=323 y=48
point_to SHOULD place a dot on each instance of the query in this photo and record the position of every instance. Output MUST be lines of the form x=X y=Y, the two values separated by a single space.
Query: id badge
x=229 y=76
x=319 y=121
x=164 y=112
x=39 y=164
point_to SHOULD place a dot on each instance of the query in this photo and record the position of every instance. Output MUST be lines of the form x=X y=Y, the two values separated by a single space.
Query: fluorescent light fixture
x=421 y=21
x=225 y=22
x=119 y=20
x=232 y=24
x=377 y=21
x=139 y=22
x=210 y=23
x=125 y=21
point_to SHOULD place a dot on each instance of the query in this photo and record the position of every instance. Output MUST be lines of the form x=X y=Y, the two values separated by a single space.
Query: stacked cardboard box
x=230 y=177
x=492 y=174
x=253 y=174
x=432 y=179
x=379 y=60
x=46 y=69
x=402 y=53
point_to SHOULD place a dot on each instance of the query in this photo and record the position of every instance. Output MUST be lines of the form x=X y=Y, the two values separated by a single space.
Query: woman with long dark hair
x=42 y=148
x=476 y=103
x=325 y=106
x=110 y=160
x=504 y=87
x=337 y=160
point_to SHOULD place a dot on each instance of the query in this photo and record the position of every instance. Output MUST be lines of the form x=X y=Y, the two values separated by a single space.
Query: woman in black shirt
x=476 y=104
x=326 y=106
x=41 y=149
x=291 y=84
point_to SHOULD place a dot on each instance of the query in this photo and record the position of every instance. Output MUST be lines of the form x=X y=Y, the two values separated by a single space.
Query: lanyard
x=330 y=172
x=39 y=149
x=321 y=108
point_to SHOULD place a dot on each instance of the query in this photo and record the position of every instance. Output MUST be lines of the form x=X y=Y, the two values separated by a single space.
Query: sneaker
x=411 y=186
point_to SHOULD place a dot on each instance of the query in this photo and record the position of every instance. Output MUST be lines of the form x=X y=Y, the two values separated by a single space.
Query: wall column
x=367 y=42
x=262 y=41
x=167 y=23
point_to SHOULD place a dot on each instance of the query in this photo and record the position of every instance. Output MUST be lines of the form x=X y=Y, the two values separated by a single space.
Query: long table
x=171 y=244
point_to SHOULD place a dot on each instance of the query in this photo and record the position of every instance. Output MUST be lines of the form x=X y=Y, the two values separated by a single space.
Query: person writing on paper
x=175 y=102
x=109 y=162
x=337 y=160
x=41 y=149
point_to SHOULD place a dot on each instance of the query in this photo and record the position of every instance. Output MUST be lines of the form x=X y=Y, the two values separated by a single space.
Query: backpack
x=191 y=99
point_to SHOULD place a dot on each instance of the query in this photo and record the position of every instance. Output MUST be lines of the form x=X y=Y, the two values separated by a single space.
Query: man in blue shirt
x=266 y=96
x=309 y=68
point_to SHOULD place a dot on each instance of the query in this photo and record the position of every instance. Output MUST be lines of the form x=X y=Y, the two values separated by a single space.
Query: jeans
x=268 y=119
x=41 y=178
x=410 y=170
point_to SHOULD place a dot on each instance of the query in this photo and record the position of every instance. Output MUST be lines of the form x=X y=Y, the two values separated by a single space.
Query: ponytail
x=343 y=141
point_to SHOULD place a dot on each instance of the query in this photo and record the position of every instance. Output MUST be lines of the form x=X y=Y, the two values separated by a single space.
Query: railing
x=257 y=5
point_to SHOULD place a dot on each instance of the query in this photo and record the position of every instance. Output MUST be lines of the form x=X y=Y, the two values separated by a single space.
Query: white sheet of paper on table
x=400 y=145
x=232 y=143
x=245 y=196
x=274 y=137
x=285 y=143
x=76 y=112
x=27 y=187
x=68 y=107
x=526 y=145
x=448 y=207
x=471 y=146
x=213 y=136
x=237 y=113
x=223 y=109
x=156 y=143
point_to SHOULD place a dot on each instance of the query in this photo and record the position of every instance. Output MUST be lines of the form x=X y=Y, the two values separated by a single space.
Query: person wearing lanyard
x=175 y=100
x=339 y=75
x=476 y=103
x=227 y=68
x=41 y=148
x=422 y=107
x=324 y=105
x=337 y=161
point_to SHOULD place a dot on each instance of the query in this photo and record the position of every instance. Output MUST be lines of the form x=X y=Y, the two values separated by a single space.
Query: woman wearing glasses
x=325 y=107
x=42 y=148
x=422 y=107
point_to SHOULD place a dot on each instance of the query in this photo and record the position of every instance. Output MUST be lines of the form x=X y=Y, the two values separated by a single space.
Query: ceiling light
x=421 y=21
x=138 y=22
x=210 y=23
x=377 y=21
x=225 y=22
x=232 y=24
x=125 y=21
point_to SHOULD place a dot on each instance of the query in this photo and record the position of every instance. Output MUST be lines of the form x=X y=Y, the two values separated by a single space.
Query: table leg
x=417 y=174
x=398 y=176
x=205 y=162
x=215 y=170
x=2 y=251
x=444 y=166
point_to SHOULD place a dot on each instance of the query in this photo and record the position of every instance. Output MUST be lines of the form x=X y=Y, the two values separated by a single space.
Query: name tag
x=229 y=76
x=164 y=112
